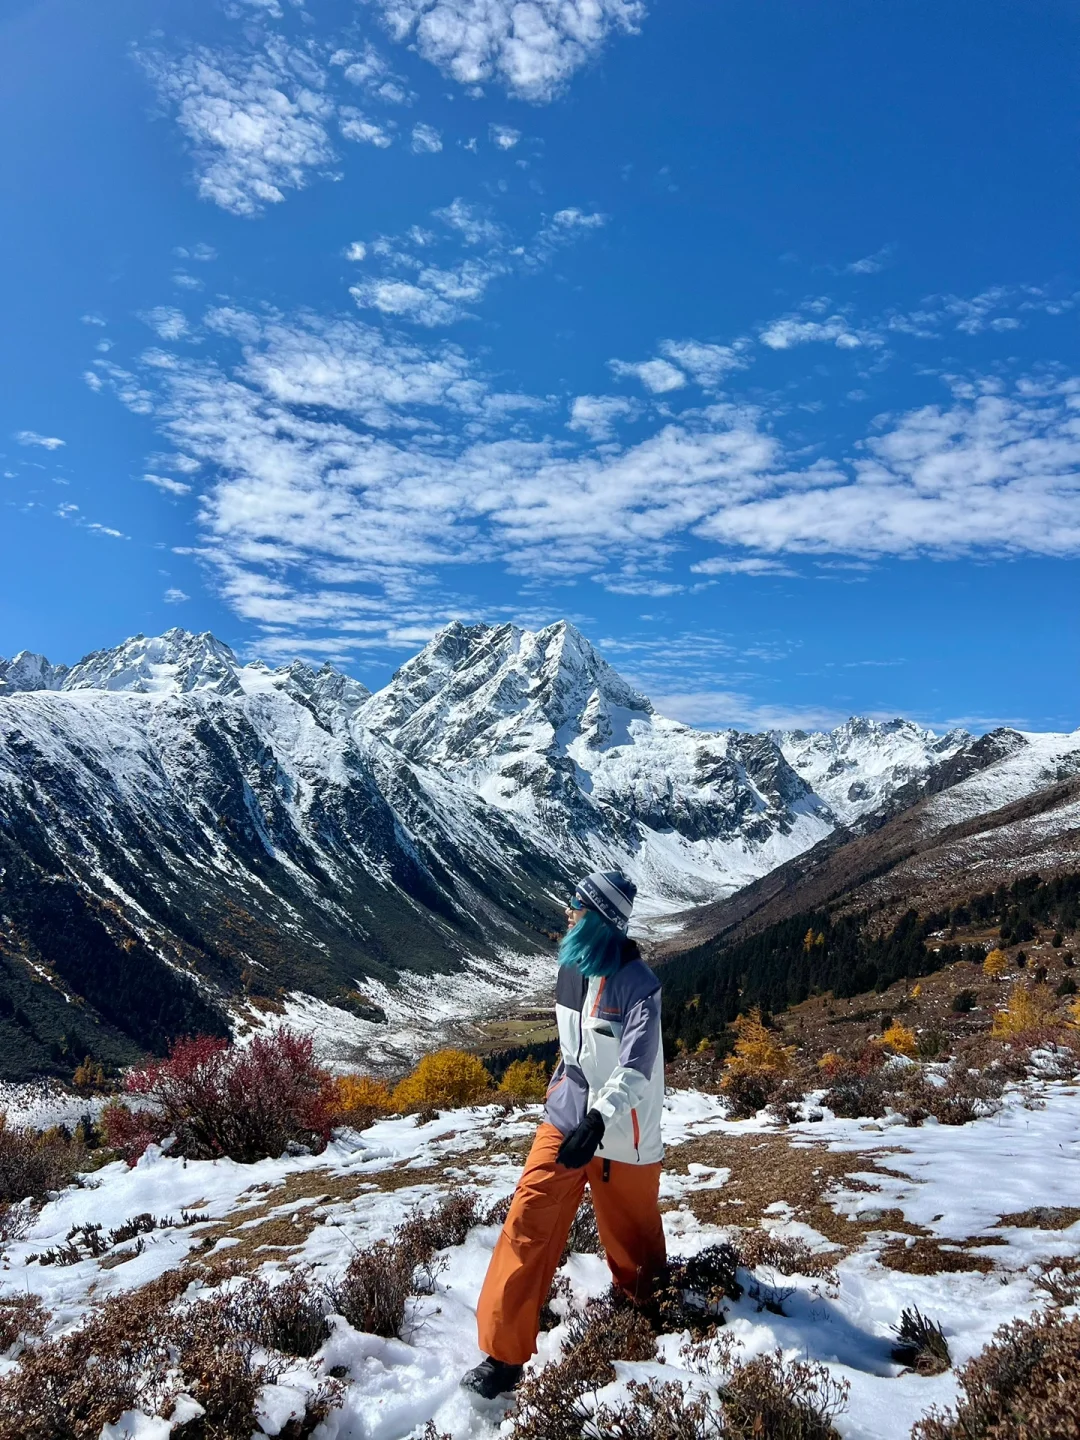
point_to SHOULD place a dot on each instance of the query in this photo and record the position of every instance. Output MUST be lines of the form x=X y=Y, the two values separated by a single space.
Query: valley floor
x=949 y=1219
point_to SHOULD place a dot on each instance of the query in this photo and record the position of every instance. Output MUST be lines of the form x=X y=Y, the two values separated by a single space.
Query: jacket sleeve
x=638 y=1049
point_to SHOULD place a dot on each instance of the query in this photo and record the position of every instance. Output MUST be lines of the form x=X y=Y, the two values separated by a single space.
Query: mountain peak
x=176 y=661
x=474 y=687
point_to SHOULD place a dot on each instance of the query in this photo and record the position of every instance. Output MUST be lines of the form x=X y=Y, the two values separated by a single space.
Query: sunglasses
x=576 y=903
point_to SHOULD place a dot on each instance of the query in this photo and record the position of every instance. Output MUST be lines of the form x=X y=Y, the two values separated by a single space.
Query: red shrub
x=131 y=1131
x=244 y=1101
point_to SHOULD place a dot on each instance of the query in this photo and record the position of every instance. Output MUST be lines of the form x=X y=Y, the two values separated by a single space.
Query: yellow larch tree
x=757 y=1050
x=995 y=964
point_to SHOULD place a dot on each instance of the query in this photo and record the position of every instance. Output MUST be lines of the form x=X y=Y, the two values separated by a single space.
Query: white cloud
x=257 y=123
x=348 y=469
x=356 y=126
x=356 y=251
x=597 y=415
x=426 y=140
x=416 y=288
x=200 y=251
x=707 y=364
x=531 y=49
x=168 y=484
x=504 y=137
x=790 y=331
x=186 y=281
x=721 y=709
x=473 y=227
x=46 y=442
x=750 y=565
x=870 y=264
x=997 y=472
x=92 y=320
x=659 y=376
x=166 y=321
x=174 y=596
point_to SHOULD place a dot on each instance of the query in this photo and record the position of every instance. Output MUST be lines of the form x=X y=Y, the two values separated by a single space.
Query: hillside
x=940 y=880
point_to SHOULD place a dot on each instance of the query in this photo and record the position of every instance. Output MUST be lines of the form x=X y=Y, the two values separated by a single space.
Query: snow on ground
x=956 y=1183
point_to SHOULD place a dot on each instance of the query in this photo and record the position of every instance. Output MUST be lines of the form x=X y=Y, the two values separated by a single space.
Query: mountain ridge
x=283 y=838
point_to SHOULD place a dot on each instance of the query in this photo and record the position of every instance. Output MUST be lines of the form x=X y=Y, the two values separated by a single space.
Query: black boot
x=492 y=1377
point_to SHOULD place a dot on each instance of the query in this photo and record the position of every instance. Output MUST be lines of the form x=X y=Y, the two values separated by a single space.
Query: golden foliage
x=88 y=1077
x=916 y=991
x=1027 y=1010
x=830 y=1060
x=447 y=1078
x=995 y=964
x=361 y=1096
x=524 y=1081
x=757 y=1050
x=810 y=940
x=899 y=1038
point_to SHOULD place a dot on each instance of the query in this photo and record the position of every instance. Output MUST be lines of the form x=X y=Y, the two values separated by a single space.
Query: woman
x=601 y=1125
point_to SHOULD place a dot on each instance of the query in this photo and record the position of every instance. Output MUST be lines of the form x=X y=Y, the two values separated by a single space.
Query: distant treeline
x=816 y=951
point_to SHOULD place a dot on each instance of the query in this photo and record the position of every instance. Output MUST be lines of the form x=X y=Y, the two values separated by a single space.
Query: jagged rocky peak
x=862 y=763
x=327 y=691
x=28 y=671
x=476 y=689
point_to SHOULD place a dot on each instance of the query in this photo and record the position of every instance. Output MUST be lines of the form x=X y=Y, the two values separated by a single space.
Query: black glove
x=579 y=1147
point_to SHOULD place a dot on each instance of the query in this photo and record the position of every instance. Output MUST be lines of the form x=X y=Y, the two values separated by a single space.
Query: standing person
x=601 y=1126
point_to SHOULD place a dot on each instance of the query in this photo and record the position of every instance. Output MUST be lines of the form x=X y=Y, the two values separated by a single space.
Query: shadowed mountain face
x=185 y=839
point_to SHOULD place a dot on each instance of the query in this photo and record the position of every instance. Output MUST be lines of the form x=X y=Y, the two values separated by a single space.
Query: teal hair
x=593 y=946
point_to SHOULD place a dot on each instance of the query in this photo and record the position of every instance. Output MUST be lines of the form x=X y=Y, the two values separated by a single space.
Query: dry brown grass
x=930 y=1257
x=21 y=1316
x=1043 y=1217
x=766 y=1168
x=142 y=1349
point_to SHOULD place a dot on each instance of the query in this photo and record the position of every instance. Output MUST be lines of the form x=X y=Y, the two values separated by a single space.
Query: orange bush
x=995 y=964
x=362 y=1099
x=1028 y=1010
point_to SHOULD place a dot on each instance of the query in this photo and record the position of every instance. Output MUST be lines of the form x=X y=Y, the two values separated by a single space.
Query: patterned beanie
x=611 y=894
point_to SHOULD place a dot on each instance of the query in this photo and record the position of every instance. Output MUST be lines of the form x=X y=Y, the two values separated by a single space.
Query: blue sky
x=743 y=334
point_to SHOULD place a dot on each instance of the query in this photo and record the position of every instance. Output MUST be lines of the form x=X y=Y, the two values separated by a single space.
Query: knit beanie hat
x=611 y=894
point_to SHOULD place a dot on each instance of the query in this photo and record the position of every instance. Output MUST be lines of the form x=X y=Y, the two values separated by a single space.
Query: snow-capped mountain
x=183 y=835
x=539 y=726
x=861 y=764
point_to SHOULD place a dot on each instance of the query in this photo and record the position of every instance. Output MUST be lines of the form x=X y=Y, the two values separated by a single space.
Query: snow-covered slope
x=308 y=1214
x=861 y=764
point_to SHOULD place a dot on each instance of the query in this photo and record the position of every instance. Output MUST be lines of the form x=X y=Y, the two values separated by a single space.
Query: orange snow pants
x=527 y=1253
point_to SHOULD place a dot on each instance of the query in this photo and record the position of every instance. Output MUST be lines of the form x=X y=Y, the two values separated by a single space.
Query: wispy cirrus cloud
x=529 y=50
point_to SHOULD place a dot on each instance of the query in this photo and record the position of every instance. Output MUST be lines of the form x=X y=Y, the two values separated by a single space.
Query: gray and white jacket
x=612 y=1058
